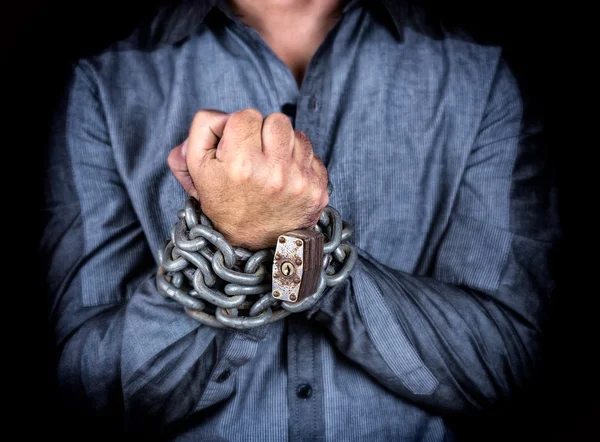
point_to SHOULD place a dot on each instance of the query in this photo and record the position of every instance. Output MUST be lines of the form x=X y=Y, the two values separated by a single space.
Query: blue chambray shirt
x=434 y=160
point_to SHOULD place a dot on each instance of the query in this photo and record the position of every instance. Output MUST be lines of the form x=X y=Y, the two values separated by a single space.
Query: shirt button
x=313 y=104
x=223 y=376
x=304 y=391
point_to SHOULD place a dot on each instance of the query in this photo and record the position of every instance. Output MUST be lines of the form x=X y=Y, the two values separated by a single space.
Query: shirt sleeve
x=124 y=352
x=469 y=333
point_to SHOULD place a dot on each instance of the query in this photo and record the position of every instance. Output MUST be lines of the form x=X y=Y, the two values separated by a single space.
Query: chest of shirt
x=394 y=121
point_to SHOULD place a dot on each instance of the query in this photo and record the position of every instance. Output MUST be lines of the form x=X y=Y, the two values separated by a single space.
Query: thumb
x=178 y=165
x=205 y=133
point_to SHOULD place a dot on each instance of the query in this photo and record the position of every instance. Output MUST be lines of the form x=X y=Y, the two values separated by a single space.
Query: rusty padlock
x=297 y=265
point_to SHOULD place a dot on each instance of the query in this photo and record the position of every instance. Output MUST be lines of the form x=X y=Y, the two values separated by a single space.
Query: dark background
x=544 y=42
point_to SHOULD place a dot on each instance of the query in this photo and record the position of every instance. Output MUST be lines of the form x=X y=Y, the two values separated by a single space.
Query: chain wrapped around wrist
x=224 y=286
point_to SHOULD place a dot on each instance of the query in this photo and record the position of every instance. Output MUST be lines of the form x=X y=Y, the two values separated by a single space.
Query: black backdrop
x=39 y=38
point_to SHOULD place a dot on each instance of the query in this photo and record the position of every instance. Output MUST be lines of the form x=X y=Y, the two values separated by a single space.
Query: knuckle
x=303 y=140
x=240 y=170
x=275 y=182
x=200 y=117
x=299 y=188
x=321 y=171
x=316 y=196
x=253 y=113
x=299 y=184
x=248 y=115
x=319 y=194
x=320 y=179
x=244 y=124
x=244 y=120
x=278 y=119
x=277 y=130
x=324 y=201
x=304 y=149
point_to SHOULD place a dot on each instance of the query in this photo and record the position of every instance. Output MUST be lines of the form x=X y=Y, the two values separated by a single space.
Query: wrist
x=255 y=236
x=246 y=237
x=221 y=285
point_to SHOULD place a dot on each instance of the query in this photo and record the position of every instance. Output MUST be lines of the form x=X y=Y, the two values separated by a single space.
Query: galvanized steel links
x=224 y=286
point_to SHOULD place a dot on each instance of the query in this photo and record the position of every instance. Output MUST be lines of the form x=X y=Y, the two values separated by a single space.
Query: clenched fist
x=255 y=178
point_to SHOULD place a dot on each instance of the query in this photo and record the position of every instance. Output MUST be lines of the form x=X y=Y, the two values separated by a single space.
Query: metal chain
x=224 y=286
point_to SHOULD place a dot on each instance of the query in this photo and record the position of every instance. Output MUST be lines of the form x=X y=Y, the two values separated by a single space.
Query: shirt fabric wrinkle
x=410 y=172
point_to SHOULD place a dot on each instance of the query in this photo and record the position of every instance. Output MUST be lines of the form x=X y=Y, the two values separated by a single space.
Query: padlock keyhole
x=287 y=269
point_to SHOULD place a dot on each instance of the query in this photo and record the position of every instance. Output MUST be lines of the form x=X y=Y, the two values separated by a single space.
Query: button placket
x=304 y=391
x=305 y=383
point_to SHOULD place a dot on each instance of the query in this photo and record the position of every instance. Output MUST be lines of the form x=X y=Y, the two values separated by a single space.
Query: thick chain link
x=224 y=286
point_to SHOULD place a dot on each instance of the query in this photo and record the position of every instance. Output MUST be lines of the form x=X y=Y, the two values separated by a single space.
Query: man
x=433 y=157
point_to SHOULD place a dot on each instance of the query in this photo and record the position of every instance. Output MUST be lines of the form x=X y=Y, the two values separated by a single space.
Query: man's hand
x=254 y=178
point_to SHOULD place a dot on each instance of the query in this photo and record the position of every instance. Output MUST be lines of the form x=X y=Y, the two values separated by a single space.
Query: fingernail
x=184 y=148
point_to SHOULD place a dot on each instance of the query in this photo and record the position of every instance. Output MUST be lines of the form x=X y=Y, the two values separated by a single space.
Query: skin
x=256 y=177
x=294 y=29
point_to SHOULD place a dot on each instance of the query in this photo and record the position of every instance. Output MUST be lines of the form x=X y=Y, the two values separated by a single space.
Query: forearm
x=465 y=331
x=446 y=347
x=123 y=351
x=149 y=363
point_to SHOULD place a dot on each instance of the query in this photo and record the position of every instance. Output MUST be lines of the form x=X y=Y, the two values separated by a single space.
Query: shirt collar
x=176 y=21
